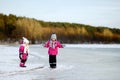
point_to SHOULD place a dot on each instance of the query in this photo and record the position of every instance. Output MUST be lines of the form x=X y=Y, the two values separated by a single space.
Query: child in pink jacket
x=23 y=51
x=53 y=46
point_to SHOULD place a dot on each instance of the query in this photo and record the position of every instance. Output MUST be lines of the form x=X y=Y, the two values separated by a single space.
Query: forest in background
x=13 y=28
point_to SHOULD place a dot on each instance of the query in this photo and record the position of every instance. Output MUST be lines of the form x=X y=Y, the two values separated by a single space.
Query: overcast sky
x=91 y=12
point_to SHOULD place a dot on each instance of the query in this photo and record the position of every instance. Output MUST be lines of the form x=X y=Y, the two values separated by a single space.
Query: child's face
x=27 y=44
x=53 y=39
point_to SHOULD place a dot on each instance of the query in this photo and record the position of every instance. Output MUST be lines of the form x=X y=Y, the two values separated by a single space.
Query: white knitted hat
x=53 y=36
x=25 y=40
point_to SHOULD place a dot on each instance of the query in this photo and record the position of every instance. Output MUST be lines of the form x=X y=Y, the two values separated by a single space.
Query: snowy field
x=74 y=62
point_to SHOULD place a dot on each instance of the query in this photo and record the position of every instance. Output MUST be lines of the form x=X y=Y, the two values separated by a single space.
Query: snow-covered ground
x=75 y=62
x=94 y=45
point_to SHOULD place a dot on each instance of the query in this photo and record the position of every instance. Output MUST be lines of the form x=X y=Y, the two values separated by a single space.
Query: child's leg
x=22 y=63
x=52 y=61
x=23 y=60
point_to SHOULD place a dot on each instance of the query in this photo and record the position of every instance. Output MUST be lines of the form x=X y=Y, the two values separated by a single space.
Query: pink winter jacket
x=23 y=53
x=22 y=49
x=53 y=50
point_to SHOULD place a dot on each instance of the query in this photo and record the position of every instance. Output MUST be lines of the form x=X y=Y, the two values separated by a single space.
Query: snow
x=93 y=45
x=74 y=62
x=9 y=63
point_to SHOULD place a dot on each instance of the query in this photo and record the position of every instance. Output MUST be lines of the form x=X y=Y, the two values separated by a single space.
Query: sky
x=90 y=12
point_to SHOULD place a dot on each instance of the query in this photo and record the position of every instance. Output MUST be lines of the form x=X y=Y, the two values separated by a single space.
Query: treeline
x=12 y=28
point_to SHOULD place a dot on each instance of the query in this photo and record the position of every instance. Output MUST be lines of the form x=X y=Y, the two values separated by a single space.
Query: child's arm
x=46 y=44
x=20 y=55
x=21 y=50
x=60 y=45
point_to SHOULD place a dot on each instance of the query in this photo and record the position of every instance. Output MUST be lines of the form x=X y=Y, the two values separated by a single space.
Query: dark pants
x=23 y=59
x=52 y=61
